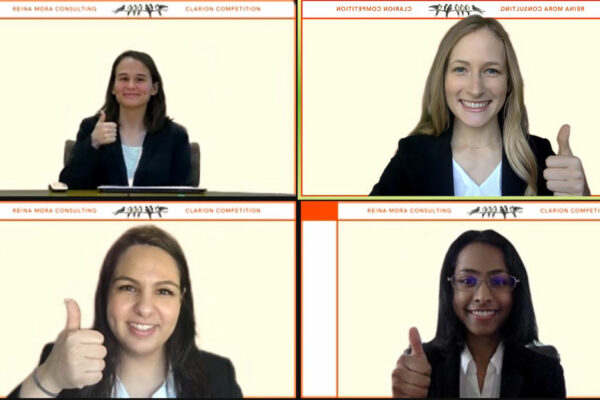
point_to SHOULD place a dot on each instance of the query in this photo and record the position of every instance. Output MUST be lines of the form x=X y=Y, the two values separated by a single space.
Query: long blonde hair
x=436 y=117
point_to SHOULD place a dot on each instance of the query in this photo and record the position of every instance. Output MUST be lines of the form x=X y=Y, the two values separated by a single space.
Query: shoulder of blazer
x=544 y=350
x=171 y=127
x=541 y=147
x=427 y=150
x=86 y=127
x=220 y=373
x=422 y=141
x=533 y=354
x=532 y=371
x=535 y=351
x=213 y=361
x=90 y=121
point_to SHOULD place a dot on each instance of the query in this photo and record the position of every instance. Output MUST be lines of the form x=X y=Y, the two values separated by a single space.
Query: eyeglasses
x=468 y=282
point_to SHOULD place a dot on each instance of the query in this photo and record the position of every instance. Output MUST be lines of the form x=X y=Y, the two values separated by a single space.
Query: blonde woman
x=473 y=136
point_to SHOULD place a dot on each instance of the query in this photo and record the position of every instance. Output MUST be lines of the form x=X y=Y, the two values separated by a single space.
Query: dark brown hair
x=182 y=353
x=156 y=110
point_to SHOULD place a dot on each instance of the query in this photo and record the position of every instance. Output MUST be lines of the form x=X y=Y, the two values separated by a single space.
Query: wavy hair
x=520 y=328
x=156 y=110
x=436 y=116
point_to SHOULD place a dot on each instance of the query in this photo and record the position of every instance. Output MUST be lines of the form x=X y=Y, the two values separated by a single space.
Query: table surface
x=94 y=194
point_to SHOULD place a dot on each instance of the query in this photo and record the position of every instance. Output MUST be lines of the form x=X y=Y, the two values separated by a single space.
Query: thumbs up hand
x=77 y=358
x=411 y=377
x=564 y=173
x=104 y=132
x=73 y=315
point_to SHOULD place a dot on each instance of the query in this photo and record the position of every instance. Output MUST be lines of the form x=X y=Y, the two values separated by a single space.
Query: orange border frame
x=302 y=18
x=337 y=249
x=295 y=47
x=295 y=255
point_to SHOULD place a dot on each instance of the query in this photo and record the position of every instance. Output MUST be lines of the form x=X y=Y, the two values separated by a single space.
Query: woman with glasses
x=142 y=342
x=486 y=343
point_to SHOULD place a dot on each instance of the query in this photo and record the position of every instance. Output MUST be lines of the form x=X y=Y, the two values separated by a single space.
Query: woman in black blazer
x=474 y=120
x=131 y=141
x=142 y=342
x=486 y=343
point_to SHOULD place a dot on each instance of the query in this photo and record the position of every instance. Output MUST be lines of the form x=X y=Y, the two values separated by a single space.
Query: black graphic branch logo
x=460 y=9
x=137 y=9
x=491 y=211
x=137 y=211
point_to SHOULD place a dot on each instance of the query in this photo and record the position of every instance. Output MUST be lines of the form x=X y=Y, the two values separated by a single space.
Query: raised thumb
x=102 y=116
x=73 y=315
x=416 y=348
x=563 y=141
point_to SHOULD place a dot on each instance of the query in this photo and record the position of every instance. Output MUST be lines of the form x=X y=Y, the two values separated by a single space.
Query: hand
x=564 y=173
x=411 y=377
x=104 y=132
x=77 y=358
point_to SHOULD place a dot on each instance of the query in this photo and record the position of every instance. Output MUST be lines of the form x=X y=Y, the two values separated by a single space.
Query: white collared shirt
x=465 y=186
x=165 y=391
x=469 y=387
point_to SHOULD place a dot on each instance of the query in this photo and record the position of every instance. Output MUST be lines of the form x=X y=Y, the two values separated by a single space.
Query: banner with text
x=568 y=211
x=312 y=9
x=147 y=210
x=146 y=9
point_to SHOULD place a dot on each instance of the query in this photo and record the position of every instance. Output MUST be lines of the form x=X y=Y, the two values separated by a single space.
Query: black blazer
x=165 y=160
x=422 y=166
x=526 y=372
x=218 y=371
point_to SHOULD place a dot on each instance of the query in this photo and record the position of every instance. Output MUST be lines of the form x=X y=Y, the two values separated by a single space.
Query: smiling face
x=144 y=300
x=476 y=79
x=482 y=310
x=133 y=85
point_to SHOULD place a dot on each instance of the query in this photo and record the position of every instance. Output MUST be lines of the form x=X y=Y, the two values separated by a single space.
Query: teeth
x=486 y=313
x=141 y=327
x=471 y=104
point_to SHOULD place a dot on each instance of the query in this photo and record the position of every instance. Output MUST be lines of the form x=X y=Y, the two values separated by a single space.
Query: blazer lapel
x=512 y=380
x=149 y=147
x=115 y=154
x=442 y=180
x=511 y=184
x=449 y=376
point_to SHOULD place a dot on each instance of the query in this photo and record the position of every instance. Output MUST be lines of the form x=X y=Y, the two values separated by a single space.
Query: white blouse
x=132 y=155
x=469 y=387
x=165 y=391
x=465 y=186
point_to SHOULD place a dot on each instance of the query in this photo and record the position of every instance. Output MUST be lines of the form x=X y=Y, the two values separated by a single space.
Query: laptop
x=150 y=189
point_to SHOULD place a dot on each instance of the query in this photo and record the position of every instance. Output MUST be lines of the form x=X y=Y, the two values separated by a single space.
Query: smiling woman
x=131 y=141
x=473 y=136
x=486 y=343
x=142 y=343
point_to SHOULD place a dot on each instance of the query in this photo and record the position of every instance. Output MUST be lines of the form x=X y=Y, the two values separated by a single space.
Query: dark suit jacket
x=526 y=372
x=165 y=160
x=218 y=371
x=422 y=166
